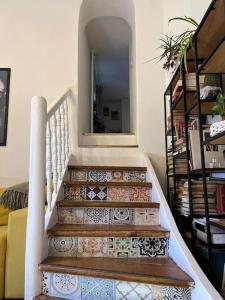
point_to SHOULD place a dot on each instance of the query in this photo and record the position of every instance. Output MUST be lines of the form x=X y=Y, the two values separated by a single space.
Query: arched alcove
x=96 y=14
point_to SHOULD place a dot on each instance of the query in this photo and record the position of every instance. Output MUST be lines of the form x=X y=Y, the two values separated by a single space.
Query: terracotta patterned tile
x=122 y=247
x=122 y=216
x=92 y=247
x=78 y=175
x=71 y=215
x=96 y=216
x=118 y=194
x=136 y=176
x=99 y=176
x=97 y=289
x=96 y=193
x=63 y=246
x=146 y=216
x=139 y=194
x=74 y=193
x=152 y=247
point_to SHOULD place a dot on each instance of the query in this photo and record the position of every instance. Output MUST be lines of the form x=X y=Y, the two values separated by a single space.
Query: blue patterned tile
x=65 y=286
x=99 y=176
x=97 y=289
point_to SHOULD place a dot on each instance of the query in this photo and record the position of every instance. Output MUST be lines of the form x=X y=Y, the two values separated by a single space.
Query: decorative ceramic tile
x=63 y=246
x=122 y=247
x=71 y=215
x=78 y=175
x=118 y=194
x=122 y=216
x=96 y=216
x=96 y=193
x=146 y=216
x=92 y=247
x=97 y=289
x=65 y=285
x=133 y=291
x=152 y=247
x=117 y=176
x=136 y=176
x=99 y=176
x=75 y=193
x=139 y=194
x=45 y=283
x=171 y=293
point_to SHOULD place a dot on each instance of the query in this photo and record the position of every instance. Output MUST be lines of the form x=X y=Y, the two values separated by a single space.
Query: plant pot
x=217 y=127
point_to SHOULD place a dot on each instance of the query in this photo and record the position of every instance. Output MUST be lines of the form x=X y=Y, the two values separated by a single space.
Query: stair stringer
x=179 y=251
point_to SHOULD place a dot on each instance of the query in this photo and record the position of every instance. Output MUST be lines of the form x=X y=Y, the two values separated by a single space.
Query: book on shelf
x=220 y=198
x=212 y=152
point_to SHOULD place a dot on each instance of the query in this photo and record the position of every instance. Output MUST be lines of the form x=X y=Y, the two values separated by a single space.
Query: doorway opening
x=109 y=40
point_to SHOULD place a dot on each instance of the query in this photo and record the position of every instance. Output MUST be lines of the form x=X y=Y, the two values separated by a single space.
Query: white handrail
x=49 y=156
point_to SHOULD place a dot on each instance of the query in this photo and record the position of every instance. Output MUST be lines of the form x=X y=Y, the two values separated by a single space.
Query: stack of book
x=178 y=90
x=180 y=146
x=181 y=166
x=191 y=81
x=183 y=201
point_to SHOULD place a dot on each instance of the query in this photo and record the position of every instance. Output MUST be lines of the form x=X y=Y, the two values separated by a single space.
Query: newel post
x=36 y=206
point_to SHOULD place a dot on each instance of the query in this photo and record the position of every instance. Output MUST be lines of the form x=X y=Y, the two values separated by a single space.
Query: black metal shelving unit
x=208 y=57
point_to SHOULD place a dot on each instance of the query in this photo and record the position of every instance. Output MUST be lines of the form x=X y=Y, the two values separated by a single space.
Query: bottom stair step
x=157 y=271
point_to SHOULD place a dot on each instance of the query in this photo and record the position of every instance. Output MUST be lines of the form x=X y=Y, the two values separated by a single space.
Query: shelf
x=180 y=155
x=218 y=139
x=206 y=107
x=215 y=62
x=220 y=223
x=177 y=175
x=198 y=172
x=211 y=29
x=178 y=104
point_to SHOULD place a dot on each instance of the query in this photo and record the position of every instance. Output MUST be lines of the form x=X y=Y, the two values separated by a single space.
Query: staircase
x=108 y=243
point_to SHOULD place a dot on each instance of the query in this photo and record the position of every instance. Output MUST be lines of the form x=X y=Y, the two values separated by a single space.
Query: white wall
x=37 y=42
x=40 y=44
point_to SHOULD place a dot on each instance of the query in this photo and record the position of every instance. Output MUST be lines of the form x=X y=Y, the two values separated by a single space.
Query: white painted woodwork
x=49 y=164
x=36 y=206
x=49 y=157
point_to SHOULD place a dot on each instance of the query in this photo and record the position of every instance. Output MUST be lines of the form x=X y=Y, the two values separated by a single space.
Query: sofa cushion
x=15 y=197
x=3 y=239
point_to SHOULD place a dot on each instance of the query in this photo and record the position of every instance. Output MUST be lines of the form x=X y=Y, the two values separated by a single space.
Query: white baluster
x=63 y=155
x=58 y=138
x=54 y=154
x=49 y=165
x=66 y=128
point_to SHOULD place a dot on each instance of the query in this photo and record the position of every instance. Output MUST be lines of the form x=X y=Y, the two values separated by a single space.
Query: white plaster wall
x=39 y=41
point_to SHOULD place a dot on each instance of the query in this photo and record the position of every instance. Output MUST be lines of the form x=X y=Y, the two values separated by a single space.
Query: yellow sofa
x=12 y=255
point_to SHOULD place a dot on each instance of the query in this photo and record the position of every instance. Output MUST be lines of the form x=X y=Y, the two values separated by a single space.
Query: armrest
x=3 y=234
x=15 y=254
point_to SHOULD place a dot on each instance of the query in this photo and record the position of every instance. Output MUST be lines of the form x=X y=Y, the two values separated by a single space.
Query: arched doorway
x=107 y=67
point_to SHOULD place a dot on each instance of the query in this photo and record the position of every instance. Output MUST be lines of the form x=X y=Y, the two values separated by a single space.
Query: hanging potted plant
x=218 y=109
x=174 y=48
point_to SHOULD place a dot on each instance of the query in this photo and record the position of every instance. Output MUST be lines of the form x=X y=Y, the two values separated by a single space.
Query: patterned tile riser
x=116 y=194
x=116 y=216
x=113 y=247
x=90 y=288
x=104 y=176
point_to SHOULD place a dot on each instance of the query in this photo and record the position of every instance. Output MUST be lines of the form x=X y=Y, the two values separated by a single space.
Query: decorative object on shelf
x=210 y=92
x=4 y=103
x=175 y=47
x=218 y=109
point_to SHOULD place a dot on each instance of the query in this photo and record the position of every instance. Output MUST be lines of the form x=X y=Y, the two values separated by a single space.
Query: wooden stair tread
x=160 y=271
x=107 y=168
x=107 y=183
x=45 y=297
x=106 y=230
x=105 y=204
